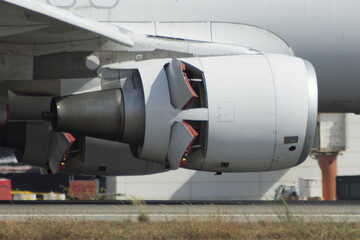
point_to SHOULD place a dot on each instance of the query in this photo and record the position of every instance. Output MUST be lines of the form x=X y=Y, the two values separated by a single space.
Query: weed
x=143 y=217
x=141 y=208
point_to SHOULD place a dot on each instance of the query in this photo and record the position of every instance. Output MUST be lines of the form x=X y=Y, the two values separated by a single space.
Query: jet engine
x=240 y=113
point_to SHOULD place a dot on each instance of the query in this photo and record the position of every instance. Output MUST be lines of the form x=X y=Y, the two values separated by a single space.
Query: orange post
x=328 y=166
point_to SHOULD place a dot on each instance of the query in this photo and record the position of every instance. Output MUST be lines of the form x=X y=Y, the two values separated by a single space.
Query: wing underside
x=32 y=22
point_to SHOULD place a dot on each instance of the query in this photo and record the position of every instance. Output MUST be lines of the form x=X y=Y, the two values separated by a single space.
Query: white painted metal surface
x=259 y=112
x=321 y=32
x=159 y=113
x=251 y=128
x=65 y=19
x=296 y=109
x=249 y=36
x=70 y=86
x=242 y=118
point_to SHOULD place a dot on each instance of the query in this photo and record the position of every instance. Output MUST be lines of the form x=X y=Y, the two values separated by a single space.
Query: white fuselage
x=324 y=32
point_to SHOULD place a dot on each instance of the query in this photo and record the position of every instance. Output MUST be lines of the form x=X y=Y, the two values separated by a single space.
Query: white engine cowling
x=240 y=113
x=255 y=113
x=262 y=112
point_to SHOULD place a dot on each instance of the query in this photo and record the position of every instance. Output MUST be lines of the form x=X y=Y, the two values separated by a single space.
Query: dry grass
x=286 y=226
x=214 y=228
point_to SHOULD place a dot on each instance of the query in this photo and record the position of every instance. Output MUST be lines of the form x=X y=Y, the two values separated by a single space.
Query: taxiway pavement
x=240 y=211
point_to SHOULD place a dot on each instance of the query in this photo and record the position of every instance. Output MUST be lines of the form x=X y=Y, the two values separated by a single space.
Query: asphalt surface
x=240 y=211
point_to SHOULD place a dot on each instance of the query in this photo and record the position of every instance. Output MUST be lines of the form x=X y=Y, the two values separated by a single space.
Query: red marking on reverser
x=71 y=140
x=183 y=67
x=194 y=134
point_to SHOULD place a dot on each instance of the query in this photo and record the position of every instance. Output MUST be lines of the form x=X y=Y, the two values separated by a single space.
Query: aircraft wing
x=32 y=22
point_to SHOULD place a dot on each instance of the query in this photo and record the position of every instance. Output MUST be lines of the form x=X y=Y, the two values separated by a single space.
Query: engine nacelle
x=224 y=114
x=262 y=113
